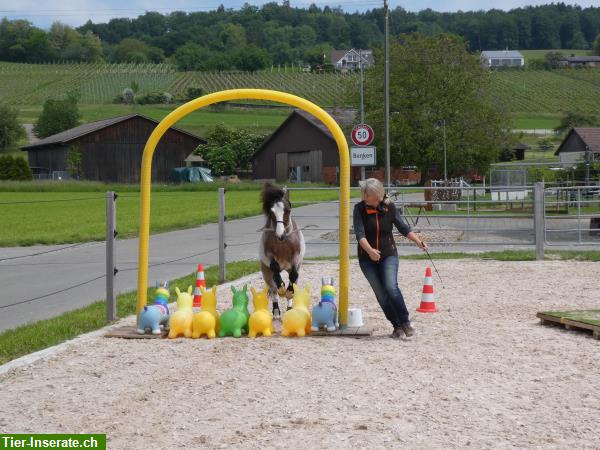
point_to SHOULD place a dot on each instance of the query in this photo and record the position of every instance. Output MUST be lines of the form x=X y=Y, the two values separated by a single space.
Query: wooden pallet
x=129 y=332
x=573 y=320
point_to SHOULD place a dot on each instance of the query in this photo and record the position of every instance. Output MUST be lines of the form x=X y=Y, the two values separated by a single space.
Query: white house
x=350 y=59
x=502 y=58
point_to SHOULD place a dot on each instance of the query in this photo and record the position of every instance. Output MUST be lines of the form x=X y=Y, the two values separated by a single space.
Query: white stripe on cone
x=200 y=276
x=427 y=298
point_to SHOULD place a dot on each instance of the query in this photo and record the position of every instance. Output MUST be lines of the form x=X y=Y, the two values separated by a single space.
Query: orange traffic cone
x=427 y=301
x=199 y=282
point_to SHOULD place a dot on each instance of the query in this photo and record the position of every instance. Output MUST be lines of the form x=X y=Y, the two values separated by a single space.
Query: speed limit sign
x=362 y=134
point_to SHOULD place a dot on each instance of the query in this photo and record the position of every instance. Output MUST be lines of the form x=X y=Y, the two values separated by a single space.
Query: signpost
x=363 y=154
x=362 y=134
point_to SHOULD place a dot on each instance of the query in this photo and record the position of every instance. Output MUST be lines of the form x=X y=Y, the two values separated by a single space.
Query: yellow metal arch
x=237 y=94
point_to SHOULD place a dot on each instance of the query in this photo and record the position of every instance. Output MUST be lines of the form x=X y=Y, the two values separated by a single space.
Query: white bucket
x=355 y=318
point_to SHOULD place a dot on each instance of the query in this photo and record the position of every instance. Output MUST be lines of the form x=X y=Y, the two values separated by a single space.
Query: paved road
x=52 y=269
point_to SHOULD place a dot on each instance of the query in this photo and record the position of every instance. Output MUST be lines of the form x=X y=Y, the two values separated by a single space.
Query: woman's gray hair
x=372 y=186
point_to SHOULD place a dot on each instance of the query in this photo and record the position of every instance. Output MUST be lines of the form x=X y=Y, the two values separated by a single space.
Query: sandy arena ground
x=481 y=373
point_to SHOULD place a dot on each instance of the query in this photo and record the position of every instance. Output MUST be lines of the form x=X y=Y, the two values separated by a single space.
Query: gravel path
x=481 y=373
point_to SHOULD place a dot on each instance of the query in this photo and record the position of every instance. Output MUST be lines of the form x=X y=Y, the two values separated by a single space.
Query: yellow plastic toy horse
x=261 y=320
x=298 y=319
x=206 y=322
x=181 y=321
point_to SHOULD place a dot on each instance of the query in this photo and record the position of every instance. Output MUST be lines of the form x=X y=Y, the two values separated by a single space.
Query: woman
x=374 y=218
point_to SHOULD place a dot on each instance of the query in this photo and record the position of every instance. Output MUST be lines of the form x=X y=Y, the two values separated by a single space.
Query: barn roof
x=581 y=59
x=342 y=117
x=87 y=128
x=501 y=54
x=590 y=137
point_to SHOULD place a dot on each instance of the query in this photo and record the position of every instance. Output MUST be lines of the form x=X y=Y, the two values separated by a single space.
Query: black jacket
x=376 y=224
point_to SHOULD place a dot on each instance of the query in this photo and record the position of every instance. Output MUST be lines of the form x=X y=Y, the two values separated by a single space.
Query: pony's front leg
x=289 y=293
x=276 y=269
x=268 y=277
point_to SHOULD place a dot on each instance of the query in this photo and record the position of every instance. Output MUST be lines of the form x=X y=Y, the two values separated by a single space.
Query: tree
x=191 y=56
x=251 y=58
x=229 y=149
x=432 y=80
x=74 y=161
x=574 y=119
x=136 y=51
x=552 y=60
x=596 y=45
x=11 y=131
x=57 y=116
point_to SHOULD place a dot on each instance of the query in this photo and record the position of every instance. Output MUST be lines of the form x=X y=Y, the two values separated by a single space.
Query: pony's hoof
x=276 y=314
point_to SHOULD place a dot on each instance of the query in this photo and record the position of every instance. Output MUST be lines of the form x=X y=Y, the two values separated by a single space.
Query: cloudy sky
x=76 y=12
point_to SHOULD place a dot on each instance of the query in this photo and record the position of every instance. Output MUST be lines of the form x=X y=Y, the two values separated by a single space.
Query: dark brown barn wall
x=114 y=154
x=298 y=136
x=53 y=158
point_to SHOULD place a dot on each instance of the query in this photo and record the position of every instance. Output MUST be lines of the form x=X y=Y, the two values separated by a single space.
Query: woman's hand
x=374 y=254
x=422 y=245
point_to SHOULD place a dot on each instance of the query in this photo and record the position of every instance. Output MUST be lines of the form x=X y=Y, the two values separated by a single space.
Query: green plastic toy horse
x=234 y=321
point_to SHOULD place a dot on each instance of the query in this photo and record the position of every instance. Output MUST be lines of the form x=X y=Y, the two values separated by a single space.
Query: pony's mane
x=271 y=194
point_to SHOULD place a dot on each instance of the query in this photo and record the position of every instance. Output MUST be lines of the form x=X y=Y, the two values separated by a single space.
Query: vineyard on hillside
x=28 y=84
x=548 y=91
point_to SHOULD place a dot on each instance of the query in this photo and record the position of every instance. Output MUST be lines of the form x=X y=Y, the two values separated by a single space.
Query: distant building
x=577 y=142
x=111 y=149
x=347 y=60
x=502 y=58
x=580 y=61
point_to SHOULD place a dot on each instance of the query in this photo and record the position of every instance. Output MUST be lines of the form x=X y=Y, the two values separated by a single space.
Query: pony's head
x=209 y=298
x=240 y=298
x=277 y=207
x=184 y=299
x=260 y=298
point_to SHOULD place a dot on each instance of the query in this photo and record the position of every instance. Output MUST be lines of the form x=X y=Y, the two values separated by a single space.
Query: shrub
x=14 y=169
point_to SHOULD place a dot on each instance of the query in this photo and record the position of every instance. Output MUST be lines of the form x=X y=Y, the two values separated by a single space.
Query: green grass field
x=529 y=121
x=198 y=122
x=69 y=217
x=46 y=333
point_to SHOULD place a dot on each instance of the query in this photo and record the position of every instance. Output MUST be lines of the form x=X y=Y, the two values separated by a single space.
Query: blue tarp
x=190 y=175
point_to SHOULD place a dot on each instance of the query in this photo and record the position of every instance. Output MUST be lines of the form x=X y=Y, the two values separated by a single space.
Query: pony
x=282 y=245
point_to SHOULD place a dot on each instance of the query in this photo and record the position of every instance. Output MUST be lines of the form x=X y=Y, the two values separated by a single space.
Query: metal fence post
x=222 y=244
x=111 y=270
x=539 y=225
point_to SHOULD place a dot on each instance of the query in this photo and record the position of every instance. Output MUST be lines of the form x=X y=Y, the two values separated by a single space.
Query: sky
x=76 y=12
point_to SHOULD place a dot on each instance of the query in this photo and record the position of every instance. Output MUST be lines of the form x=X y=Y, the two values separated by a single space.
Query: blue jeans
x=383 y=278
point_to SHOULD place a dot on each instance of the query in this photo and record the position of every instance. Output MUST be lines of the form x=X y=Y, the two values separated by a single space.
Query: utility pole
x=445 y=169
x=587 y=165
x=386 y=93
x=362 y=104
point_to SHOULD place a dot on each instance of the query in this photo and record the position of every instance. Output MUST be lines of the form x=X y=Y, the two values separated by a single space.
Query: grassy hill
x=548 y=92
x=535 y=98
x=30 y=84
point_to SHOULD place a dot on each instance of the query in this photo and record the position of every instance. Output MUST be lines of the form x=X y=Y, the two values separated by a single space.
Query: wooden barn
x=111 y=150
x=577 y=143
x=300 y=144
